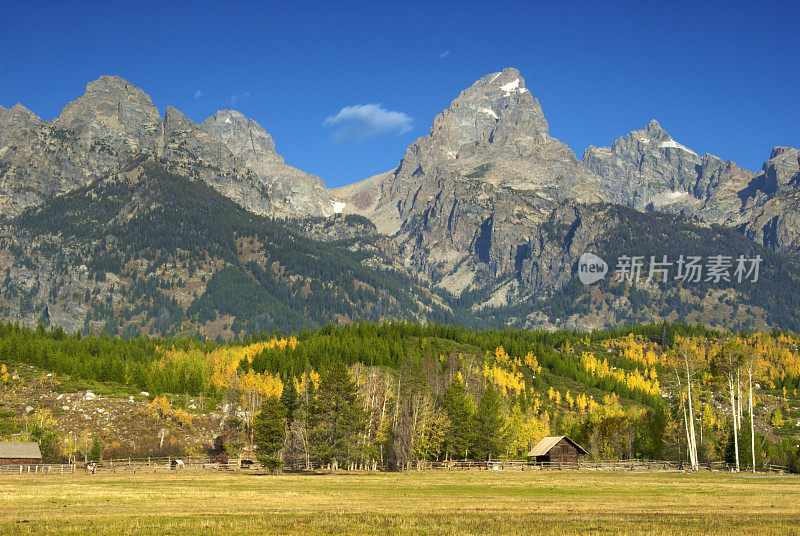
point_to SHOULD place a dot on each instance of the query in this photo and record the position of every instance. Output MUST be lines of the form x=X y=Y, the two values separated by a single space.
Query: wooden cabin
x=18 y=453
x=557 y=449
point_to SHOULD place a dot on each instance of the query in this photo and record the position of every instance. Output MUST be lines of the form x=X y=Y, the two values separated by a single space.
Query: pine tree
x=667 y=336
x=269 y=433
x=336 y=417
x=290 y=400
x=461 y=412
x=96 y=450
x=489 y=425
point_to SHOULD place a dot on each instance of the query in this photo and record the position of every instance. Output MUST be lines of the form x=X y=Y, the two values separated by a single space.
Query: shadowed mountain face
x=482 y=222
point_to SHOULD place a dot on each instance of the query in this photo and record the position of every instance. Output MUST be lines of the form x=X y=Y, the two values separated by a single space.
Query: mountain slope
x=149 y=250
x=496 y=213
x=119 y=219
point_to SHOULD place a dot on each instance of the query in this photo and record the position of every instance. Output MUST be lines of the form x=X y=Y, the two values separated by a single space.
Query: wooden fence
x=595 y=465
x=38 y=469
x=201 y=464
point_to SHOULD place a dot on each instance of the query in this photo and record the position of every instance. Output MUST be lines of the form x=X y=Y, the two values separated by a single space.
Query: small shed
x=557 y=449
x=18 y=453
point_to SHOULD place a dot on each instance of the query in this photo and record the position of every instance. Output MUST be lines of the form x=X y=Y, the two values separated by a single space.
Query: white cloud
x=363 y=121
x=237 y=98
x=198 y=94
x=444 y=54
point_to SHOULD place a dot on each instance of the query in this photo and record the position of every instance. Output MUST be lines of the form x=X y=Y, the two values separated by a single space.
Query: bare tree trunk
x=685 y=422
x=752 y=427
x=735 y=432
x=691 y=419
x=739 y=400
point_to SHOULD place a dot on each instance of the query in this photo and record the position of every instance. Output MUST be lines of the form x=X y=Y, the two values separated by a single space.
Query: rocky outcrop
x=115 y=113
x=115 y=121
x=489 y=202
x=291 y=192
x=110 y=123
x=471 y=197
x=772 y=202
x=495 y=132
x=648 y=170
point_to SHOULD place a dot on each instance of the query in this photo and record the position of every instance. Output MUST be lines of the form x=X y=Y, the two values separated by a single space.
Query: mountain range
x=117 y=219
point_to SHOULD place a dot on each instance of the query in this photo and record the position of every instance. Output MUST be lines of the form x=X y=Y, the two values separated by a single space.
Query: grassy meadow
x=456 y=503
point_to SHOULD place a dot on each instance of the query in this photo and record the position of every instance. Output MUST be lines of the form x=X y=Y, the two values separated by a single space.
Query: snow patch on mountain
x=672 y=144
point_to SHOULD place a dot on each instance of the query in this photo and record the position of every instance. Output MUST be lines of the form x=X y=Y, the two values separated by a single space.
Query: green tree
x=269 y=433
x=290 y=400
x=667 y=336
x=489 y=424
x=461 y=411
x=49 y=443
x=96 y=450
x=336 y=417
x=650 y=432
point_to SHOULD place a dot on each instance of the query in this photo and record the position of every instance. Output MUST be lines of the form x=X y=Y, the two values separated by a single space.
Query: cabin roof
x=546 y=444
x=17 y=449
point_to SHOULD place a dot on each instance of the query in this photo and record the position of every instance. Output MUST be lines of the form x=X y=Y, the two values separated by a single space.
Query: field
x=474 y=502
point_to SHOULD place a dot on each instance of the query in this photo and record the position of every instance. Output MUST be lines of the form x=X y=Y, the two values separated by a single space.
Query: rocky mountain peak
x=496 y=127
x=19 y=110
x=778 y=150
x=653 y=129
x=244 y=137
x=117 y=113
x=174 y=120
x=114 y=120
x=645 y=169
x=292 y=192
x=649 y=170
x=652 y=138
x=497 y=109
x=14 y=121
x=783 y=167
x=110 y=97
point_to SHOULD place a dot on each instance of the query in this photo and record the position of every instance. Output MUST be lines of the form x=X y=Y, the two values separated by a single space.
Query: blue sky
x=344 y=87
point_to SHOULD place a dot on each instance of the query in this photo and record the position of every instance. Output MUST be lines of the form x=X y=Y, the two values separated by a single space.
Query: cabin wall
x=20 y=461
x=564 y=452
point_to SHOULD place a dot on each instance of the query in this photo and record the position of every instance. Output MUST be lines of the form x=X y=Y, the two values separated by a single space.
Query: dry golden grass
x=454 y=503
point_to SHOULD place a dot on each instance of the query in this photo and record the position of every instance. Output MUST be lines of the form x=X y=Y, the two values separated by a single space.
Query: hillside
x=543 y=288
x=616 y=392
x=144 y=250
